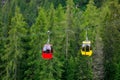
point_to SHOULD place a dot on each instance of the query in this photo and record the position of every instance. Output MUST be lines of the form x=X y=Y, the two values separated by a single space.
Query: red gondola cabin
x=47 y=52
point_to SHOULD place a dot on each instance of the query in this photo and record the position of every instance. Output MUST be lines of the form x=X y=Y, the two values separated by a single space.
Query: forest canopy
x=23 y=32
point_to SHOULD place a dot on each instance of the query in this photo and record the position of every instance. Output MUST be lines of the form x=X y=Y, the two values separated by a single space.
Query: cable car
x=86 y=48
x=47 y=51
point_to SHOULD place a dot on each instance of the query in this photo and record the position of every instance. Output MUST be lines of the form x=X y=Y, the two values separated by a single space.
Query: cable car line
x=48 y=32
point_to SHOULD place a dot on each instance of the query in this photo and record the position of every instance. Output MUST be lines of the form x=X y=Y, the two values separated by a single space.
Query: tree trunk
x=98 y=58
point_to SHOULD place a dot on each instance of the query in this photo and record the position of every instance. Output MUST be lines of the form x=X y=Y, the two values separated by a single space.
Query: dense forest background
x=23 y=32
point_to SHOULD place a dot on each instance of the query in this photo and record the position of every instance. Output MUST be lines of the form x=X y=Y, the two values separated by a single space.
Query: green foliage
x=111 y=41
x=14 y=50
x=90 y=21
x=2 y=66
x=71 y=69
x=117 y=74
x=31 y=11
x=21 y=44
x=81 y=4
x=37 y=31
x=83 y=68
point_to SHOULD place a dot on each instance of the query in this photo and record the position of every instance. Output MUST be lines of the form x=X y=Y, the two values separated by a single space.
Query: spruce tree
x=2 y=48
x=69 y=42
x=14 y=50
x=111 y=41
x=37 y=40
x=52 y=69
x=88 y=22
x=31 y=11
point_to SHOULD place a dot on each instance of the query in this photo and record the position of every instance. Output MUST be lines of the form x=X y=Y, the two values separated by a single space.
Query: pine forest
x=59 y=39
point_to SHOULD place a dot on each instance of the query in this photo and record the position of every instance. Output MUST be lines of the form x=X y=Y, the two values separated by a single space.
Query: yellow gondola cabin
x=86 y=48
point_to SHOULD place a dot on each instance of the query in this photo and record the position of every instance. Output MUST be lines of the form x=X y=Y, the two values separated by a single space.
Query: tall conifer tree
x=14 y=50
x=111 y=41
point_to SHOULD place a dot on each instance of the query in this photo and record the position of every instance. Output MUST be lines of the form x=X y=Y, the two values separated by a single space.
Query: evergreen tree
x=31 y=11
x=2 y=48
x=37 y=36
x=111 y=41
x=58 y=36
x=69 y=43
x=69 y=26
x=52 y=69
x=88 y=22
x=71 y=69
x=90 y=15
x=14 y=50
x=6 y=11
x=21 y=44
x=84 y=65
x=58 y=32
